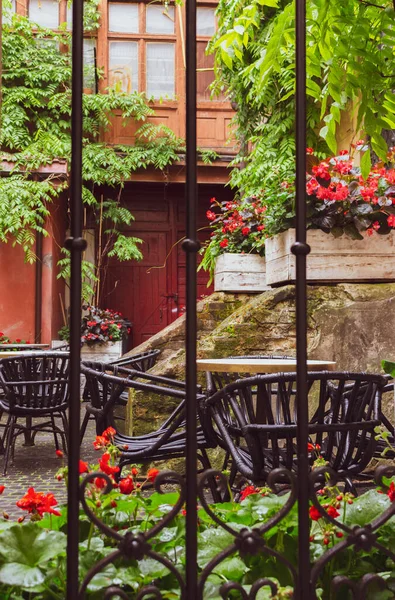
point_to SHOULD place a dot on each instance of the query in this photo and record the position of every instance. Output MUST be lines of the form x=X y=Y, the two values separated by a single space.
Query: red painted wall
x=17 y=289
x=17 y=284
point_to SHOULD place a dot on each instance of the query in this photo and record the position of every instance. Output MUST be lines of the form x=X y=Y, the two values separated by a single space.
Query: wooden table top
x=259 y=365
x=23 y=346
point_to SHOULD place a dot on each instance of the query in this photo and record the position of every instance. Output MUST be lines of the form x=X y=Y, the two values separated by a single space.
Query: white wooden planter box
x=332 y=260
x=240 y=273
x=102 y=352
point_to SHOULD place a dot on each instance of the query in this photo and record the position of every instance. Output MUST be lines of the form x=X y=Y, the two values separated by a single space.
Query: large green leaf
x=30 y=545
x=366 y=164
x=21 y=575
x=366 y=508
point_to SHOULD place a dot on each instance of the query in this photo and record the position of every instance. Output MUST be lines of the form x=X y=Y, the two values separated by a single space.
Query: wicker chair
x=342 y=425
x=169 y=440
x=34 y=386
x=105 y=394
x=215 y=381
x=138 y=362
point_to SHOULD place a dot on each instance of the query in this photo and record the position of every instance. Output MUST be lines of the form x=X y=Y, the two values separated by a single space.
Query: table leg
x=28 y=434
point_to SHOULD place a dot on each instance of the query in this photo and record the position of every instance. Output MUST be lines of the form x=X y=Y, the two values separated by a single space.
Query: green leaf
x=232 y=568
x=388 y=367
x=366 y=164
x=21 y=575
x=30 y=545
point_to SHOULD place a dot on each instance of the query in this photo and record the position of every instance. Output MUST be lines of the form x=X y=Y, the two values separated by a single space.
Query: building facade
x=138 y=46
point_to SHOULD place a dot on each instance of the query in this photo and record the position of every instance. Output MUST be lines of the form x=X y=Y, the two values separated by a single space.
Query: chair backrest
x=35 y=383
x=106 y=383
x=139 y=362
x=216 y=380
x=261 y=411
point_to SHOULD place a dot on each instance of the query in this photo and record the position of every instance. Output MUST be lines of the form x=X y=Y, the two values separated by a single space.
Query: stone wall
x=349 y=323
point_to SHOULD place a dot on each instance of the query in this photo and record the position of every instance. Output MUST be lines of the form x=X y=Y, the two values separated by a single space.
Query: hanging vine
x=36 y=116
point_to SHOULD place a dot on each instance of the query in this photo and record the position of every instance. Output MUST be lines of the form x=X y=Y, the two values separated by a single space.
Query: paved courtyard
x=36 y=466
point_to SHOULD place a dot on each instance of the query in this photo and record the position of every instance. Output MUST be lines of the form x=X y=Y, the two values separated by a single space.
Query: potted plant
x=355 y=204
x=102 y=333
x=234 y=255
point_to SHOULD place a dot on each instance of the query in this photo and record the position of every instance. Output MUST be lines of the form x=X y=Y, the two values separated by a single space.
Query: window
x=205 y=21
x=123 y=18
x=89 y=58
x=205 y=29
x=142 y=51
x=45 y=13
x=124 y=75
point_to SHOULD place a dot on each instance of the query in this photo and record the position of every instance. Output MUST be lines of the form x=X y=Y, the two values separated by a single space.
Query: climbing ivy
x=35 y=131
x=350 y=68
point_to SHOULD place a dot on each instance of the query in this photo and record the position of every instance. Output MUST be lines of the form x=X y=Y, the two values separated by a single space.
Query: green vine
x=35 y=131
x=350 y=69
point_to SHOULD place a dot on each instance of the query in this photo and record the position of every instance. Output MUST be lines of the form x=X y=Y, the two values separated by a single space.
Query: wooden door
x=139 y=290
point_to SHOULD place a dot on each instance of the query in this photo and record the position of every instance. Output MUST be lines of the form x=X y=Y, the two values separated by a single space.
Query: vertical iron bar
x=76 y=245
x=301 y=249
x=191 y=246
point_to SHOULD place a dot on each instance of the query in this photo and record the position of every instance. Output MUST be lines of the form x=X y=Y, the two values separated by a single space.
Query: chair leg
x=204 y=459
x=9 y=442
x=4 y=436
x=55 y=436
x=84 y=426
x=65 y=433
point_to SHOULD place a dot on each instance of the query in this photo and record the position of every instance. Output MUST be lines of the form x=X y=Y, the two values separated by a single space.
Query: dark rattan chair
x=105 y=394
x=34 y=386
x=138 y=362
x=215 y=381
x=165 y=443
x=342 y=425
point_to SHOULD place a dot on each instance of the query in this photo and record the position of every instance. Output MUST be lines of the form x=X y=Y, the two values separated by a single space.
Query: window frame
x=142 y=38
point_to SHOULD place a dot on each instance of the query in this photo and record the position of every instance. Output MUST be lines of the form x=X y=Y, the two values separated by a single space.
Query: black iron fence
x=132 y=546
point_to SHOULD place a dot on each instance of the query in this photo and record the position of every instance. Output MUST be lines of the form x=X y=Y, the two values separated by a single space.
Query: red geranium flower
x=211 y=215
x=2 y=488
x=100 y=442
x=126 y=486
x=38 y=503
x=109 y=433
x=83 y=467
x=314 y=513
x=100 y=483
x=250 y=489
x=332 y=512
x=391 y=492
x=223 y=243
x=105 y=466
x=59 y=453
x=152 y=474
x=391 y=220
x=245 y=230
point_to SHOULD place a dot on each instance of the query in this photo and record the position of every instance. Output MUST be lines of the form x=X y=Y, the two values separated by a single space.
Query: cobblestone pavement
x=36 y=466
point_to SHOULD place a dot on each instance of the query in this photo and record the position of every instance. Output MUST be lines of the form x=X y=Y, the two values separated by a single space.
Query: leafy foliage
x=350 y=63
x=36 y=117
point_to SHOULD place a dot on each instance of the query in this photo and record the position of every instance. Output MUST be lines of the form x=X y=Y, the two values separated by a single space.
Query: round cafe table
x=259 y=365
